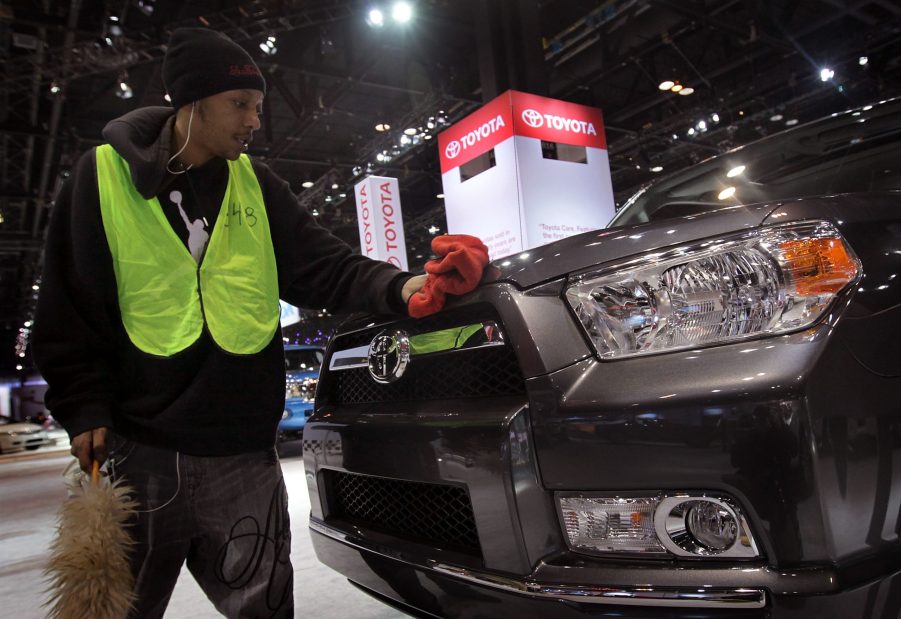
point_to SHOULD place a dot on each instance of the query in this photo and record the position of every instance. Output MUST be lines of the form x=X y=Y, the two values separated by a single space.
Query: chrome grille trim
x=358 y=357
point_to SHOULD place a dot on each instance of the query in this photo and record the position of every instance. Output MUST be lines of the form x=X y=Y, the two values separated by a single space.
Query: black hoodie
x=201 y=401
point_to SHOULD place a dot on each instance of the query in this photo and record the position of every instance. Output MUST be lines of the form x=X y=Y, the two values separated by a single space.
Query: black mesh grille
x=475 y=373
x=431 y=513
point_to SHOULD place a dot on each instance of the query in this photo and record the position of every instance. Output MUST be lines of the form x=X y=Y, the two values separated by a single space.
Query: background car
x=692 y=413
x=302 y=363
x=19 y=435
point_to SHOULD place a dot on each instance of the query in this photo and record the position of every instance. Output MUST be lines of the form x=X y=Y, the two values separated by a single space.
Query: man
x=157 y=326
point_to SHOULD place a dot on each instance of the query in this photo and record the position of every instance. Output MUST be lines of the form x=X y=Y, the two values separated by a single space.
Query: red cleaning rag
x=463 y=258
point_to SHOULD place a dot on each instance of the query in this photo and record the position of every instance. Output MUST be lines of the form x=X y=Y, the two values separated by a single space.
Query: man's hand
x=89 y=446
x=412 y=285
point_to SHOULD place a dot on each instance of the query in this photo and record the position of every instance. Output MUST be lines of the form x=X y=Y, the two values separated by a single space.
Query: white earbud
x=188 y=139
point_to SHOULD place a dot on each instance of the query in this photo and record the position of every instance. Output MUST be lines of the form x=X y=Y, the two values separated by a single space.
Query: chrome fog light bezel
x=674 y=532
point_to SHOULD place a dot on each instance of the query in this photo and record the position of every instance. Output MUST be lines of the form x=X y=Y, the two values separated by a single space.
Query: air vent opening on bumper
x=435 y=514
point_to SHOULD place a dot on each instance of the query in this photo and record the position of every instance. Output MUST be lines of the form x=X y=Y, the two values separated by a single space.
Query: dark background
x=754 y=63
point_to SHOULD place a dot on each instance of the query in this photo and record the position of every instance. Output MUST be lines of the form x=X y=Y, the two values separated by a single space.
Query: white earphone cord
x=188 y=139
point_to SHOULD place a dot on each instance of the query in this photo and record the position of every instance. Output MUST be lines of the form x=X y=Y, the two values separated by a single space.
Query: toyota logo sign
x=389 y=355
x=452 y=149
x=533 y=118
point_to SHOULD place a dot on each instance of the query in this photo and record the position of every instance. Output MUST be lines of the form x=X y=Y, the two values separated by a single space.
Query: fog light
x=703 y=526
x=686 y=525
x=613 y=524
x=712 y=526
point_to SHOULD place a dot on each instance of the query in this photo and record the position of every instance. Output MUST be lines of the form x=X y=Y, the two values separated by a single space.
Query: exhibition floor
x=32 y=490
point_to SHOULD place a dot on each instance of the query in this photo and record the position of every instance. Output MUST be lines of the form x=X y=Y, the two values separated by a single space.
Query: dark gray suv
x=695 y=412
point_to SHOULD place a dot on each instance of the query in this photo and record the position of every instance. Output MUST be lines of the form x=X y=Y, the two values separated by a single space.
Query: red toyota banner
x=519 y=113
x=476 y=134
x=557 y=121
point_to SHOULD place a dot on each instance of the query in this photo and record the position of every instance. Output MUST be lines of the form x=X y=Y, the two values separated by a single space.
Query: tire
x=32 y=447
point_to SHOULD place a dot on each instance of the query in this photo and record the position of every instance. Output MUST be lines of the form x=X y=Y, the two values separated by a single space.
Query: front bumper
x=20 y=441
x=436 y=590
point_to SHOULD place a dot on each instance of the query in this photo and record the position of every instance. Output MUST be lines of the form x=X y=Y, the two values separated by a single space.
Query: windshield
x=854 y=151
x=303 y=359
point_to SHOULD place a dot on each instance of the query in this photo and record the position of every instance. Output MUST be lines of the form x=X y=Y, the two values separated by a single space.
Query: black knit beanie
x=200 y=62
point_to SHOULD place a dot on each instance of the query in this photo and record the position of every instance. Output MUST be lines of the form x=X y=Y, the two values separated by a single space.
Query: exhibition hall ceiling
x=677 y=80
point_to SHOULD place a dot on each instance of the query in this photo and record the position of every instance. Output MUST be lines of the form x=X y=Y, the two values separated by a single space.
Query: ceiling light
x=375 y=18
x=167 y=97
x=675 y=136
x=402 y=12
x=124 y=91
x=666 y=84
x=676 y=87
x=826 y=74
x=315 y=213
x=691 y=131
x=334 y=185
x=863 y=60
x=434 y=229
x=410 y=131
x=726 y=193
x=775 y=118
x=687 y=90
x=440 y=196
x=702 y=125
x=735 y=171
x=146 y=7
x=657 y=168
x=268 y=46
x=715 y=117
x=54 y=88
x=427 y=137
x=791 y=122
x=404 y=140
x=382 y=127
x=741 y=112
x=307 y=184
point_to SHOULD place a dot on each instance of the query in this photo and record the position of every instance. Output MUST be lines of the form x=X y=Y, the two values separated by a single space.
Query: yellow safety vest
x=165 y=298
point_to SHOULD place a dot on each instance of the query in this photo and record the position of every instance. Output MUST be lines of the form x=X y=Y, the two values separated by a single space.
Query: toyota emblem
x=452 y=149
x=533 y=118
x=389 y=355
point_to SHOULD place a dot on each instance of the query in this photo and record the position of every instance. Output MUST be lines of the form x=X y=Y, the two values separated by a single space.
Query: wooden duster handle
x=95 y=472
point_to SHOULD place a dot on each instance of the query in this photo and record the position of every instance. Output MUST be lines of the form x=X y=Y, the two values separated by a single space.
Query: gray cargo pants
x=226 y=516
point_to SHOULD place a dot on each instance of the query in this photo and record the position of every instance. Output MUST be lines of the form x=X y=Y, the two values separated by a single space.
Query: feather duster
x=89 y=574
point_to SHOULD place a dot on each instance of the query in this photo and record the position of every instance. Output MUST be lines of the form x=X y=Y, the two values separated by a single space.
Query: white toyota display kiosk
x=525 y=170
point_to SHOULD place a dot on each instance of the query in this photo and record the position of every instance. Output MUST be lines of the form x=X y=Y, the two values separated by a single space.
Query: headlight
x=771 y=281
x=684 y=525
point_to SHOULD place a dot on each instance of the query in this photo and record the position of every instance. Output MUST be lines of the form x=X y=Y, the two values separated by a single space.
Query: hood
x=20 y=427
x=590 y=249
x=142 y=137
